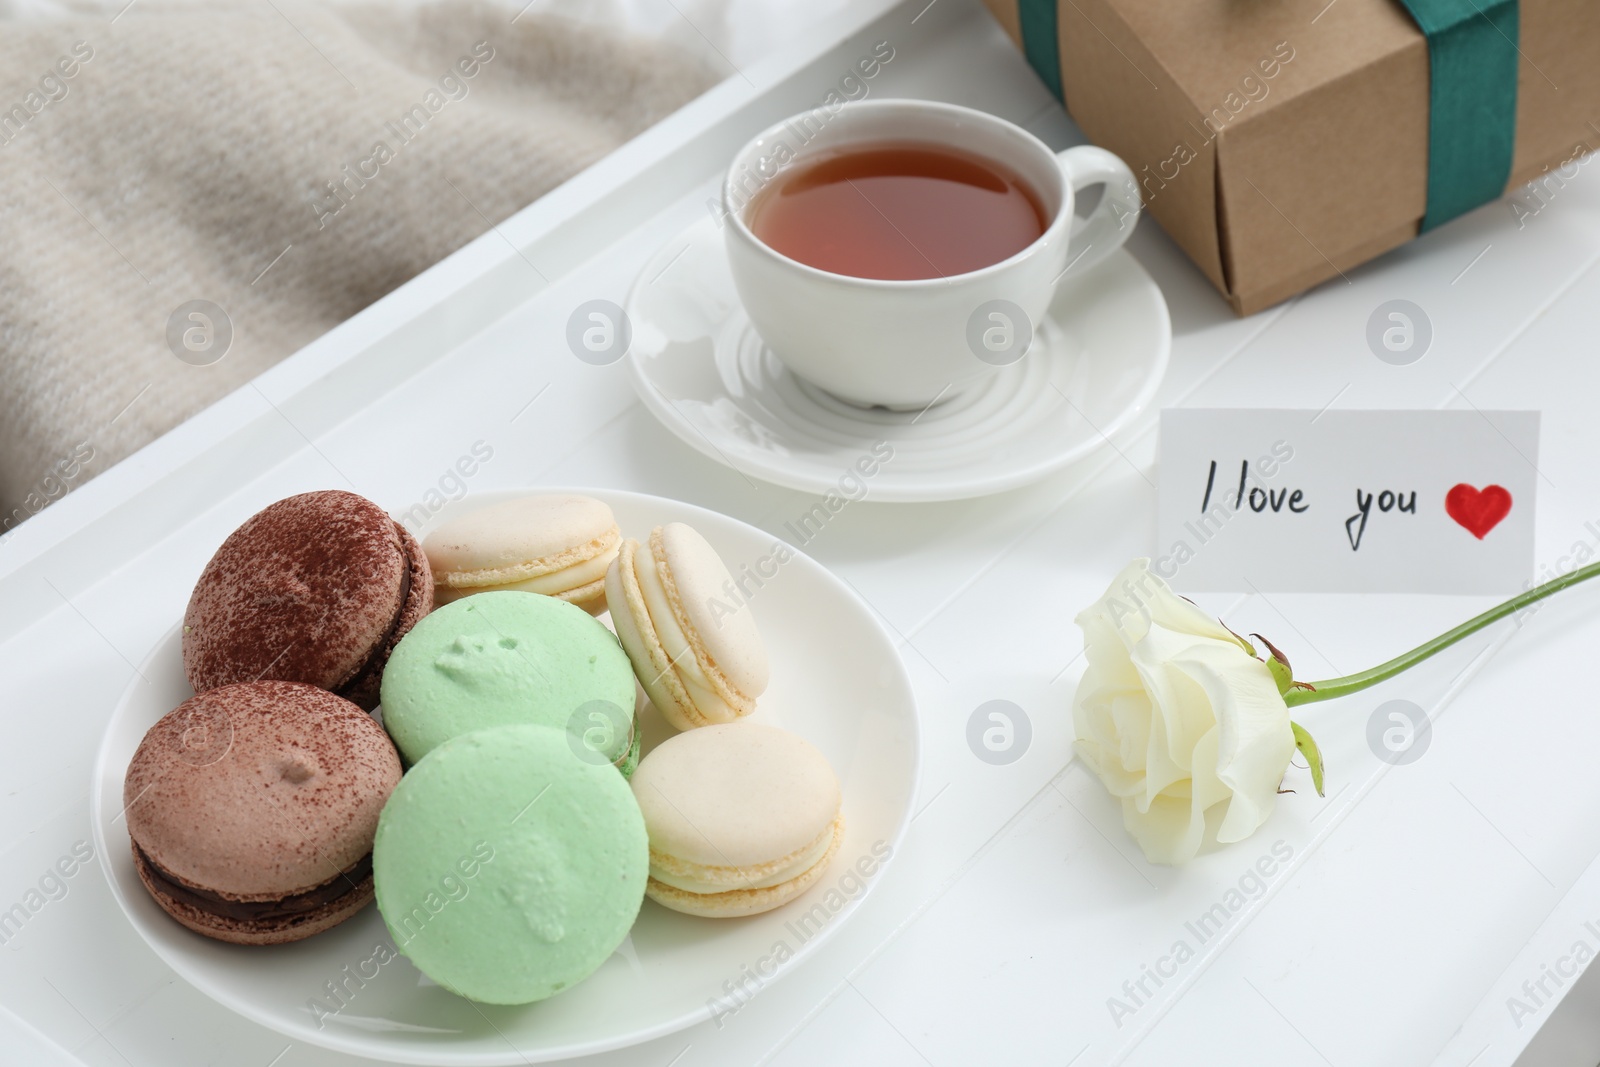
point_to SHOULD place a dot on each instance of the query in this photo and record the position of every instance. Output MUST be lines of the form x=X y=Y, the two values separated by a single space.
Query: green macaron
x=508 y=868
x=506 y=658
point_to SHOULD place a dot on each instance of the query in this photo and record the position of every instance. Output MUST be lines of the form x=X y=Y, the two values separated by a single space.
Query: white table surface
x=1418 y=898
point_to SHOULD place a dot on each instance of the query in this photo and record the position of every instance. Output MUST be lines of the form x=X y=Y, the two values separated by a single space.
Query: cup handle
x=1113 y=218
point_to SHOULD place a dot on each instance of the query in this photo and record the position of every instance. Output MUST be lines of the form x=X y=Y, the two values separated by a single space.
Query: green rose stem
x=1353 y=683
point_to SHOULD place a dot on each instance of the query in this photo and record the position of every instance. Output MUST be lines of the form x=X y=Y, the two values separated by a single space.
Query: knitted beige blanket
x=189 y=195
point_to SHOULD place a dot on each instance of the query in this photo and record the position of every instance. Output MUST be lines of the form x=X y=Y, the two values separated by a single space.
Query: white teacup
x=905 y=344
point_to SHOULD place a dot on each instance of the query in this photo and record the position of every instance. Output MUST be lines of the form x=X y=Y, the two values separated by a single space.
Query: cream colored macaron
x=693 y=641
x=556 y=545
x=742 y=818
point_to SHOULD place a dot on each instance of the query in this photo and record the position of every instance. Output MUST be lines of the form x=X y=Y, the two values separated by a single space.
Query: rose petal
x=1118 y=781
x=1131 y=712
x=1174 y=828
x=1167 y=831
x=1254 y=742
x=1138 y=598
x=1181 y=711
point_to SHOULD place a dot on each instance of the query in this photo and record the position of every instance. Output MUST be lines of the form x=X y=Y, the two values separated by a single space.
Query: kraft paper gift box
x=1282 y=142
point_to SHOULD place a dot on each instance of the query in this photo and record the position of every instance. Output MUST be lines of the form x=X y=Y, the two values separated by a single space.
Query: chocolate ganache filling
x=295 y=904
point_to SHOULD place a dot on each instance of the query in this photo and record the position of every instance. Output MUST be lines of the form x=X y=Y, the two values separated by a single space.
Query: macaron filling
x=562 y=582
x=637 y=634
x=285 y=907
x=707 y=701
x=698 y=878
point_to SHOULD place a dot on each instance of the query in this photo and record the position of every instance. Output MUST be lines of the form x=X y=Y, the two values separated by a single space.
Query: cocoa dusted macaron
x=252 y=810
x=317 y=588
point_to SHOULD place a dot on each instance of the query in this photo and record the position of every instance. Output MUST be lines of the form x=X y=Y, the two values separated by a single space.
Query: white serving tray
x=1415 y=897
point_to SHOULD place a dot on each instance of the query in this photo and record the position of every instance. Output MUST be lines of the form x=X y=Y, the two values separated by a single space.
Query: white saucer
x=673 y=970
x=700 y=367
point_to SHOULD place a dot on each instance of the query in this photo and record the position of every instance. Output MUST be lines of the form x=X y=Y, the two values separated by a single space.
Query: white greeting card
x=1347 y=501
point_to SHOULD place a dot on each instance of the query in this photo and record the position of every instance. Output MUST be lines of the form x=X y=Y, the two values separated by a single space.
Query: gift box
x=1281 y=143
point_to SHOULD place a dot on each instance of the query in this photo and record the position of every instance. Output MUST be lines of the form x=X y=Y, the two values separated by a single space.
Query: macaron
x=317 y=588
x=251 y=809
x=507 y=869
x=692 y=640
x=742 y=818
x=505 y=658
x=557 y=545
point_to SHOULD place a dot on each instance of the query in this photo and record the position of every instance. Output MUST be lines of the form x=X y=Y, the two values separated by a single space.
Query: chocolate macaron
x=252 y=810
x=317 y=588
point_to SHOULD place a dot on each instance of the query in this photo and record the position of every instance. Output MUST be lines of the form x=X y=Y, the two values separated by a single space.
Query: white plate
x=701 y=368
x=836 y=680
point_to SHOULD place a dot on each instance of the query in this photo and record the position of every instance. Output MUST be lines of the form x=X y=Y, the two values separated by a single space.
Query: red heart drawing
x=1478 y=510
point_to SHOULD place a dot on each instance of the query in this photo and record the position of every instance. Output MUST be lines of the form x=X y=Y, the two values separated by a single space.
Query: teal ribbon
x=1472 y=116
x=1041 y=42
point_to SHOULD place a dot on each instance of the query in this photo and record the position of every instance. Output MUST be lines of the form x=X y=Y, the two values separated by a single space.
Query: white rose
x=1176 y=717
